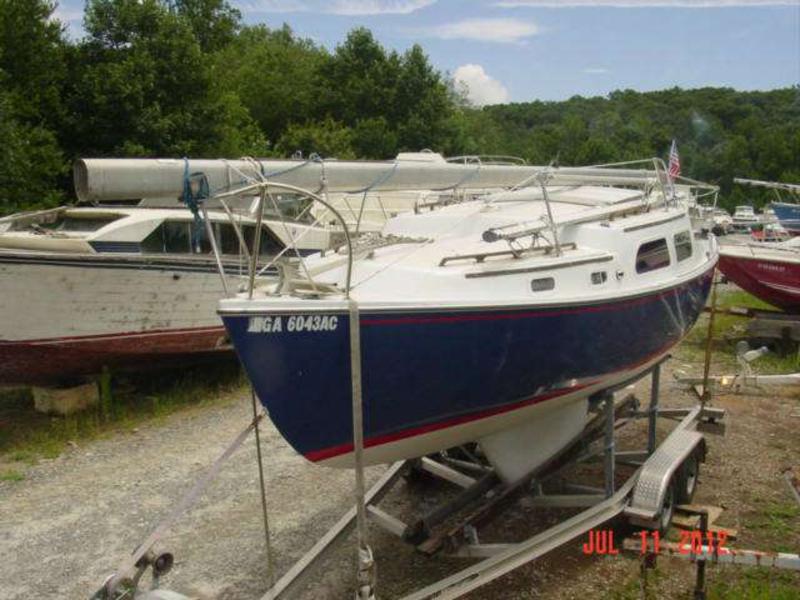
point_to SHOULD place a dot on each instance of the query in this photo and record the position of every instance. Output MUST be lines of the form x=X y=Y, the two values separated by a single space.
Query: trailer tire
x=687 y=478
x=667 y=508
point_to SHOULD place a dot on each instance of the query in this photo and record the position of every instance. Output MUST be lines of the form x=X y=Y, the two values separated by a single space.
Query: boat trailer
x=663 y=476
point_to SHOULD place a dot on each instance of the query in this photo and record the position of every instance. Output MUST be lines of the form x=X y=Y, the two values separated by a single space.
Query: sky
x=522 y=50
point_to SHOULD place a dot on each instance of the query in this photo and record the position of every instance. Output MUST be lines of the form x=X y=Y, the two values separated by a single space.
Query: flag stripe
x=674 y=161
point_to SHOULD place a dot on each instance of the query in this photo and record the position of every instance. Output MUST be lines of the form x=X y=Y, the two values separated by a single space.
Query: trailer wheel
x=687 y=478
x=667 y=508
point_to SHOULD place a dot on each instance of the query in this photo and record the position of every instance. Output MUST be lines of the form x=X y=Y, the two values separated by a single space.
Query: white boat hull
x=63 y=316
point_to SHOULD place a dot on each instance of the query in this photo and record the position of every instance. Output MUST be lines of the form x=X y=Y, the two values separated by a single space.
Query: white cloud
x=340 y=7
x=504 y=31
x=480 y=87
x=595 y=70
x=642 y=3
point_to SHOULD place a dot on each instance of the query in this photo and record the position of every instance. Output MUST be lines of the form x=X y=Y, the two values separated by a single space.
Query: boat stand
x=663 y=476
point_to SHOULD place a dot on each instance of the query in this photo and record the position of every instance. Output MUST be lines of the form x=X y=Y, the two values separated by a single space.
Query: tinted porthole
x=542 y=285
x=599 y=277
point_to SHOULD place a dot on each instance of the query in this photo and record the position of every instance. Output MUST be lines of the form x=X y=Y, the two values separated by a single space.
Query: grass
x=770 y=525
x=753 y=584
x=726 y=329
x=27 y=436
x=634 y=589
x=722 y=583
x=11 y=475
x=775 y=525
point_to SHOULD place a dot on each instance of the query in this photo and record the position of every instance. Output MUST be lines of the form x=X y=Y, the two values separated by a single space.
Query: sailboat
x=492 y=321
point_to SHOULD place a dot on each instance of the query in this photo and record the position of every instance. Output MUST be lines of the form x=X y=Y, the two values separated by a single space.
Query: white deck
x=412 y=275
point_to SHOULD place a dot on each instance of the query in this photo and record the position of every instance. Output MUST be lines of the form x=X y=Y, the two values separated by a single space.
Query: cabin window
x=599 y=277
x=229 y=242
x=227 y=239
x=543 y=285
x=171 y=237
x=269 y=245
x=652 y=255
x=683 y=245
x=175 y=237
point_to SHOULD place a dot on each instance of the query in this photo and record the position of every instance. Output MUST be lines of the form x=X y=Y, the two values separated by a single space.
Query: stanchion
x=366 y=562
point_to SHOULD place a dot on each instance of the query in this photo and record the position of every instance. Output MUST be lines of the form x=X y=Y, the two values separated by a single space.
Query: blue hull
x=788 y=215
x=432 y=370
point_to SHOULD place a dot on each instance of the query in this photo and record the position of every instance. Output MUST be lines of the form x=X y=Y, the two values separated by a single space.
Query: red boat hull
x=53 y=360
x=775 y=282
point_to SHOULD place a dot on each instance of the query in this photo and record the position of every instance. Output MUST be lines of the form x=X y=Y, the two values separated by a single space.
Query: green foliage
x=187 y=78
x=721 y=133
x=753 y=583
x=142 y=86
x=359 y=81
x=215 y=23
x=11 y=475
x=31 y=162
x=402 y=100
x=32 y=57
x=31 y=75
x=274 y=74
x=327 y=138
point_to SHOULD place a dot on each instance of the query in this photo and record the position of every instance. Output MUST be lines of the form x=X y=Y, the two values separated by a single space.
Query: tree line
x=177 y=78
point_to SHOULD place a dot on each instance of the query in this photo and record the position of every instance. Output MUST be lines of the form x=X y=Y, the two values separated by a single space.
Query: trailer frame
x=642 y=499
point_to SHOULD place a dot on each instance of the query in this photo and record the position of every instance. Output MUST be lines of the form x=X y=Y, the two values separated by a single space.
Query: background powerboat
x=122 y=287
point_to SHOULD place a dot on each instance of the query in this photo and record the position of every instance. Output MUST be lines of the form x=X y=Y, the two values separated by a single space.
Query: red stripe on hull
x=47 y=361
x=767 y=280
x=393 y=437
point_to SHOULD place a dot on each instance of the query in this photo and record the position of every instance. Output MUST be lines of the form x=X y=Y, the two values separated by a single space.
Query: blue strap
x=193 y=200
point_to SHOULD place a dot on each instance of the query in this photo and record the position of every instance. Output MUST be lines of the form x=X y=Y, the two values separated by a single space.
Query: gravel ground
x=66 y=526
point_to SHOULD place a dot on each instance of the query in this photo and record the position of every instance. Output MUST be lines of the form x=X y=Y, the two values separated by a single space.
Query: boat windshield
x=175 y=237
x=67 y=223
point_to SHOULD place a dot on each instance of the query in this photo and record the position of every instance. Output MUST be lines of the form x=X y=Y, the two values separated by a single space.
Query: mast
x=98 y=180
x=772 y=185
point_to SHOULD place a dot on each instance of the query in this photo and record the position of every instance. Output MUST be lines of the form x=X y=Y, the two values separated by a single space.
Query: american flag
x=674 y=162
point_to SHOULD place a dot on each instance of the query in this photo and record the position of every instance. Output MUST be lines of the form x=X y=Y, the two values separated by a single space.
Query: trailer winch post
x=706 y=397
x=652 y=415
x=610 y=444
